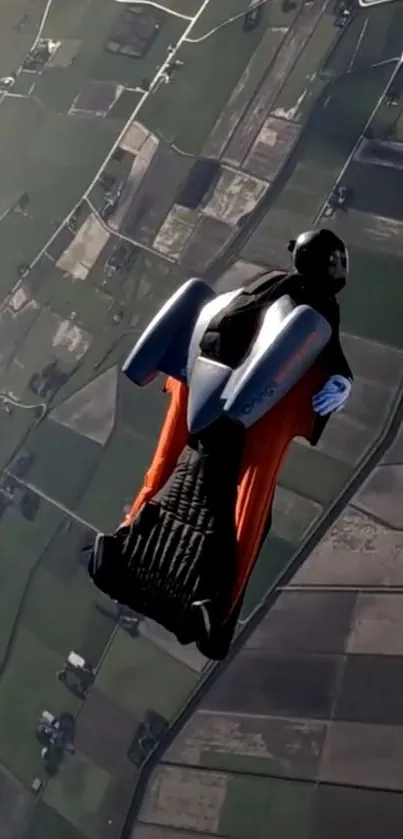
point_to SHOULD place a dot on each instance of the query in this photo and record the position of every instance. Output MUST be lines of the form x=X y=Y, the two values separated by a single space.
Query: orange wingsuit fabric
x=265 y=448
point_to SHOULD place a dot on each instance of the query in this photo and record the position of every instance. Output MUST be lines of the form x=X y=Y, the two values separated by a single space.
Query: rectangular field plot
x=293 y=515
x=14 y=428
x=273 y=559
x=202 y=86
x=254 y=745
x=63 y=461
x=16 y=39
x=304 y=191
x=313 y=474
x=21 y=237
x=380 y=38
x=114 y=42
x=30 y=663
x=335 y=127
x=268 y=245
x=133 y=672
x=79 y=803
x=47 y=822
x=368 y=40
x=156 y=280
x=376 y=189
x=117 y=479
x=63 y=154
x=371 y=232
x=297 y=86
x=226 y=805
x=141 y=410
x=65 y=616
x=312 y=170
x=376 y=278
x=23 y=543
x=244 y=91
x=63 y=296
x=277 y=805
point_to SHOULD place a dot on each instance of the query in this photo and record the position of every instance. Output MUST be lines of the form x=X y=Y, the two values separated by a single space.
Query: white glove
x=333 y=396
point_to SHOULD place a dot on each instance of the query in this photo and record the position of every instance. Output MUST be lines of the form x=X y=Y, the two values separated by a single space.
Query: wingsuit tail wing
x=171 y=443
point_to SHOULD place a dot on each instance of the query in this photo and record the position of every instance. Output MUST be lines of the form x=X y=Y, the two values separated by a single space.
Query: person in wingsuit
x=184 y=553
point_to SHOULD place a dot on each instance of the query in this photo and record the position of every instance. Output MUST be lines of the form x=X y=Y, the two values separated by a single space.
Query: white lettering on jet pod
x=263 y=394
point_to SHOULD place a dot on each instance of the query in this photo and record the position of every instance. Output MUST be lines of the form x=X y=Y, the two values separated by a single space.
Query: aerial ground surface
x=98 y=224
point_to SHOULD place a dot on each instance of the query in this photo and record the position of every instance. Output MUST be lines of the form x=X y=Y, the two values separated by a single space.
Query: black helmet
x=321 y=255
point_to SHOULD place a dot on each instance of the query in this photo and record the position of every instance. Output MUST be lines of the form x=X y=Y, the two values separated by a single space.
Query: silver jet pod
x=207 y=378
x=289 y=341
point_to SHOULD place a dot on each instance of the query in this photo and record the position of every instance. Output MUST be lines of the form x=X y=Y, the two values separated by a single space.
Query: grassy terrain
x=133 y=672
x=284 y=808
x=64 y=153
x=47 y=822
x=298 y=85
x=64 y=461
x=313 y=474
x=328 y=139
x=330 y=134
x=20 y=238
x=275 y=554
x=20 y=21
x=33 y=664
x=90 y=24
x=118 y=477
x=383 y=195
x=379 y=277
x=148 y=286
x=78 y=791
x=22 y=543
x=244 y=91
x=202 y=86
x=64 y=295
x=70 y=608
x=13 y=430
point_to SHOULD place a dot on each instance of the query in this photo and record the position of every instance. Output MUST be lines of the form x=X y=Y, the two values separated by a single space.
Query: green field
x=64 y=295
x=296 y=94
x=78 y=792
x=20 y=22
x=332 y=126
x=14 y=428
x=285 y=808
x=133 y=672
x=383 y=196
x=210 y=72
x=247 y=85
x=21 y=541
x=90 y=24
x=63 y=156
x=36 y=665
x=122 y=465
x=381 y=318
